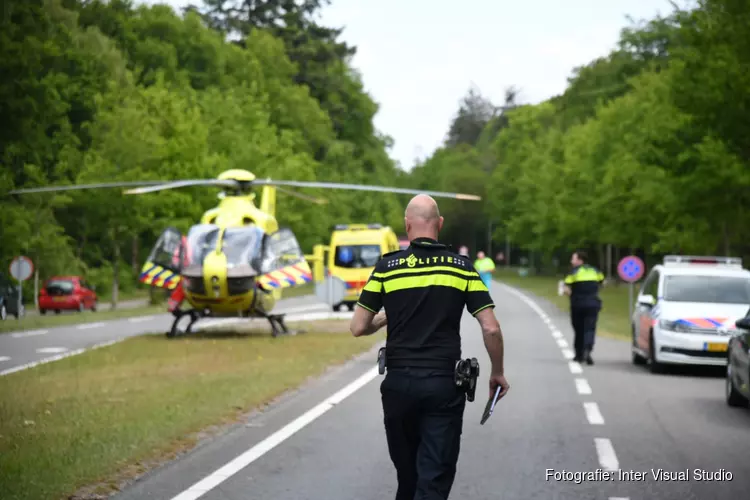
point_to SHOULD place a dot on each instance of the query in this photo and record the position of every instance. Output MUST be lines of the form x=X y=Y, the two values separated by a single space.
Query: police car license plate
x=714 y=347
x=58 y=299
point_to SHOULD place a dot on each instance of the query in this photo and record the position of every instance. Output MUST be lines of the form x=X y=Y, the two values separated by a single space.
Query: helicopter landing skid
x=176 y=331
x=278 y=327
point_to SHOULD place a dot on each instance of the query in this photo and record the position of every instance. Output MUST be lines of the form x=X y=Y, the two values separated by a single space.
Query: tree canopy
x=97 y=90
x=647 y=149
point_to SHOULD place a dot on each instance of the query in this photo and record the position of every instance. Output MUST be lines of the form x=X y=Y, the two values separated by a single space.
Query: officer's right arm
x=569 y=280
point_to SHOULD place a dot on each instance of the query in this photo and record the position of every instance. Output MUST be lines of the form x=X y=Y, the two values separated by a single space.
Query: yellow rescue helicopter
x=236 y=261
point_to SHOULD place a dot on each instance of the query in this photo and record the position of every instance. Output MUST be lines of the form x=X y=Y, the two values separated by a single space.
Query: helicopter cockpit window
x=281 y=249
x=242 y=246
x=201 y=239
x=166 y=252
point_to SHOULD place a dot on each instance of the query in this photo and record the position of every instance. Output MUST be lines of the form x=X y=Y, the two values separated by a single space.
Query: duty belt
x=466 y=371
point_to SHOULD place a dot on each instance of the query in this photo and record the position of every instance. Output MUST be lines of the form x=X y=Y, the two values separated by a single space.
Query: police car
x=686 y=310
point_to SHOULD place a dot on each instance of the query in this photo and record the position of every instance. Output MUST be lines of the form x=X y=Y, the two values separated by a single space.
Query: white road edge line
x=593 y=414
x=557 y=334
x=568 y=354
x=619 y=498
x=562 y=342
x=607 y=456
x=575 y=367
x=4 y=358
x=582 y=386
x=58 y=357
x=220 y=475
x=51 y=350
x=88 y=326
x=31 y=333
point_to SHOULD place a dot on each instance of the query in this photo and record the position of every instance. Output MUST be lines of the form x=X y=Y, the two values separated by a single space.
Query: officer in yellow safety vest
x=582 y=285
x=484 y=266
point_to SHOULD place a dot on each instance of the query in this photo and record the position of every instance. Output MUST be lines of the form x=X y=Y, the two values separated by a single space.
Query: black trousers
x=423 y=415
x=584 y=326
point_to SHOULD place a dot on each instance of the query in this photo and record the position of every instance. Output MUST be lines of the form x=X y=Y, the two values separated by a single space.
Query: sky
x=418 y=58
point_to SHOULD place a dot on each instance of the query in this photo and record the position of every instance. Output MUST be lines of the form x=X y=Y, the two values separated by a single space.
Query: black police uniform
x=585 y=304
x=424 y=289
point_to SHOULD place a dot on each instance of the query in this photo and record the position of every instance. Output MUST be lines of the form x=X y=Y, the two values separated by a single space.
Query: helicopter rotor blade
x=319 y=201
x=101 y=185
x=364 y=187
x=186 y=183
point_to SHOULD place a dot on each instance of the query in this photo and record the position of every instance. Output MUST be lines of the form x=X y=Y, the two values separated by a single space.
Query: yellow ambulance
x=352 y=254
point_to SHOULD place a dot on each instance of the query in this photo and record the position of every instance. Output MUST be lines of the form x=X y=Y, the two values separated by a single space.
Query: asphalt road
x=559 y=415
x=23 y=349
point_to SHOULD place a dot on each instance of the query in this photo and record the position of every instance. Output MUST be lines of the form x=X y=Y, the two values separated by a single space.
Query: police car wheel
x=350 y=305
x=638 y=359
x=734 y=398
x=654 y=365
x=337 y=307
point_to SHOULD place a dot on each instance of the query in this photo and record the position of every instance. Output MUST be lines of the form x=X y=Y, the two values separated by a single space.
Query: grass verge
x=613 y=318
x=51 y=320
x=106 y=416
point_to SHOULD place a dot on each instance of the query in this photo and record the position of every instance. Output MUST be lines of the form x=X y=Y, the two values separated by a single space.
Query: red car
x=66 y=293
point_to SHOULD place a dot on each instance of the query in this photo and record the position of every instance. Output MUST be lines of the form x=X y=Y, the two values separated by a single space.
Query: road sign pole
x=631 y=269
x=630 y=299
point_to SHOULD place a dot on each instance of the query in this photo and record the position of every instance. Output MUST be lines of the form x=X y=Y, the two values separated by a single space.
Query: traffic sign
x=331 y=290
x=21 y=268
x=631 y=269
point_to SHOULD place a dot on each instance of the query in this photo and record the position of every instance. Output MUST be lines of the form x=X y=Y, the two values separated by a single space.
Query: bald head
x=422 y=218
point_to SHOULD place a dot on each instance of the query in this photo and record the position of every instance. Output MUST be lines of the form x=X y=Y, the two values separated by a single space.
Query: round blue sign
x=631 y=269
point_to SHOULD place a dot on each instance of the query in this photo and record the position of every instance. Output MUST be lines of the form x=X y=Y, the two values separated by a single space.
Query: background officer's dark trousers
x=423 y=413
x=584 y=326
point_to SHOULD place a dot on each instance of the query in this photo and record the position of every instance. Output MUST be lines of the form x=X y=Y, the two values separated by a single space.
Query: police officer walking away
x=424 y=290
x=582 y=285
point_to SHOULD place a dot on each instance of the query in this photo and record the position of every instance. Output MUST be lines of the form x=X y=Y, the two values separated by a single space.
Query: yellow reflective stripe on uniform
x=477 y=286
x=423 y=281
x=426 y=269
x=373 y=286
x=584 y=274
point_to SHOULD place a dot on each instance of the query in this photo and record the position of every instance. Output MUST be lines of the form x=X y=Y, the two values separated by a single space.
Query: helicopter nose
x=239 y=285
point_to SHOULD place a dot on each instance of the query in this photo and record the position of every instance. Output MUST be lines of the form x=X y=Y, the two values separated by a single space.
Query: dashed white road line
x=141 y=319
x=604 y=449
x=30 y=333
x=88 y=326
x=57 y=357
x=51 y=350
x=222 y=474
x=606 y=452
x=582 y=386
x=593 y=414
x=4 y=358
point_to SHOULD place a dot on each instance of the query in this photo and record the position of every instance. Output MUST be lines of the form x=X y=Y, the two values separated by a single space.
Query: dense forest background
x=647 y=150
